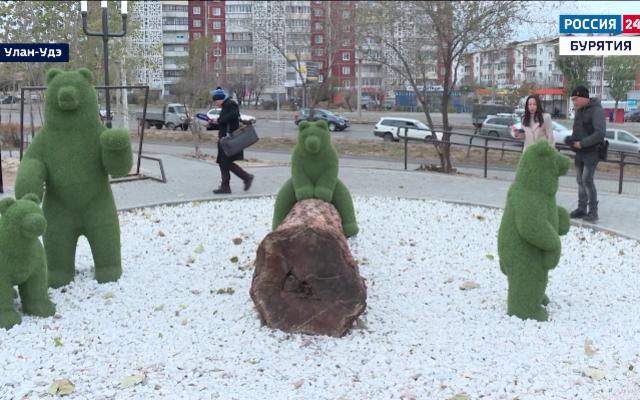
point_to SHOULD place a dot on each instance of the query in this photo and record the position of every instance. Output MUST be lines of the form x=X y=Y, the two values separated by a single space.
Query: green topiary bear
x=528 y=241
x=22 y=260
x=73 y=155
x=314 y=175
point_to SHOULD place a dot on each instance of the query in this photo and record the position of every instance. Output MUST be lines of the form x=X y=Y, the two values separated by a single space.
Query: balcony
x=175 y=28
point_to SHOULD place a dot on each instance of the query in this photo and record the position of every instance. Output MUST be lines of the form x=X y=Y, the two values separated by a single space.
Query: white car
x=560 y=132
x=213 y=114
x=393 y=129
x=621 y=140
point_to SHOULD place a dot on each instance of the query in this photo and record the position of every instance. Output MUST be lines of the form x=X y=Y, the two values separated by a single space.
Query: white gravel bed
x=172 y=321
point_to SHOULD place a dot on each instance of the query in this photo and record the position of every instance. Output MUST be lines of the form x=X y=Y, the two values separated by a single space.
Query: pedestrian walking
x=589 y=126
x=228 y=121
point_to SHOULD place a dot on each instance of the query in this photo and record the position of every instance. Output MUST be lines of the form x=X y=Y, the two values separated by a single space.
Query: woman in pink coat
x=536 y=123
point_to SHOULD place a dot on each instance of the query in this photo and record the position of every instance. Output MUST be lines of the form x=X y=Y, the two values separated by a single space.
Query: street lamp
x=105 y=46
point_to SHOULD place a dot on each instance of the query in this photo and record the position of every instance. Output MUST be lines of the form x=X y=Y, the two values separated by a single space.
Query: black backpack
x=603 y=150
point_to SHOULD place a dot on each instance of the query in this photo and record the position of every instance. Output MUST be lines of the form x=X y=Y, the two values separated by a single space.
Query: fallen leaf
x=237 y=241
x=481 y=218
x=190 y=260
x=161 y=233
x=588 y=349
x=297 y=384
x=131 y=380
x=61 y=387
x=460 y=396
x=594 y=373
x=468 y=285
x=234 y=259
x=108 y=295
x=228 y=290
x=184 y=322
x=57 y=341
x=621 y=252
x=490 y=257
x=199 y=249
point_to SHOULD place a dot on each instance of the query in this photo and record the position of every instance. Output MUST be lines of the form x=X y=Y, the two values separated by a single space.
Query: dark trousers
x=587 y=193
x=227 y=166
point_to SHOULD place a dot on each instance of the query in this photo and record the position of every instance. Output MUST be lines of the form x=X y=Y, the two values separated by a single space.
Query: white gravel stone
x=421 y=336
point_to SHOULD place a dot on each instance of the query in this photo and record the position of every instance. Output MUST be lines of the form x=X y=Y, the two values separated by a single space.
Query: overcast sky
x=555 y=9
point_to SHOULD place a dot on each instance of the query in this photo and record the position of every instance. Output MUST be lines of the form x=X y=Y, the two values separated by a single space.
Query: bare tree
x=620 y=72
x=424 y=42
x=191 y=89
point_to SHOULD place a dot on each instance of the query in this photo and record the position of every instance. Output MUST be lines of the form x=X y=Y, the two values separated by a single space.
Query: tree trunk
x=306 y=280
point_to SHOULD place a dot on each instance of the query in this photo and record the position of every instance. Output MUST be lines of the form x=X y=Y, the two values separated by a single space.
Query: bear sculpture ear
x=88 y=75
x=31 y=197
x=52 y=73
x=6 y=203
x=303 y=125
x=322 y=124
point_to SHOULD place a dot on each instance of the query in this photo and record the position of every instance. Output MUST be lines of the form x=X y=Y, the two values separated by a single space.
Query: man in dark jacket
x=589 y=126
x=228 y=121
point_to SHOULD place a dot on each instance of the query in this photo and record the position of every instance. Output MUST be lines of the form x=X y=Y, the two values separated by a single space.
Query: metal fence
x=488 y=144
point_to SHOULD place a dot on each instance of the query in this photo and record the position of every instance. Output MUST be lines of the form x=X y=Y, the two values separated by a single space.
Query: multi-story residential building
x=175 y=39
x=147 y=41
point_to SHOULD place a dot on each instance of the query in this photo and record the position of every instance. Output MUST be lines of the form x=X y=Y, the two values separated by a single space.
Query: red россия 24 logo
x=631 y=24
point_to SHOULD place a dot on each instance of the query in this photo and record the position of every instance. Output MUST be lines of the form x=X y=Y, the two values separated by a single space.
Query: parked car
x=621 y=140
x=9 y=99
x=499 y=125
x=103 y=114
x=560 y=132
x=632 y=116
x=335 y=121
x=214 y=113
x=392 y=129
x=480 y=112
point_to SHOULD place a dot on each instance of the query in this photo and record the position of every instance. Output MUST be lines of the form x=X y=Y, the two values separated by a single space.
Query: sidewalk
x=194 y=180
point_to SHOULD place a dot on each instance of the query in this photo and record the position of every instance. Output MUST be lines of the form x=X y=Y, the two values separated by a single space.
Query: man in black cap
x=589 y=126
x=228 y=121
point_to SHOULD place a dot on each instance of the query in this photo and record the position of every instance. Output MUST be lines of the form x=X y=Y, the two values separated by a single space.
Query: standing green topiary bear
x=314 y=175
x=73 y=155
x=22 y=260
x=528 y=241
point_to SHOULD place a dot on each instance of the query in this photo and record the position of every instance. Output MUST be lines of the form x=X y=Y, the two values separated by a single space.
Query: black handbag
x=603 y=150
x=238 y=140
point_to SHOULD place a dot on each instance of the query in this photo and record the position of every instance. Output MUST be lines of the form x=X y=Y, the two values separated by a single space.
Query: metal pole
x=105 y=49
x=143 y=123
x=620 y=179
x=360 y=89
x=21 y=122
x=406 y=145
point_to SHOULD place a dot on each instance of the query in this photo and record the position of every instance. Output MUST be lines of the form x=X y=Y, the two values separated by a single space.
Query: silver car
x=499 y=125
x=621 y=140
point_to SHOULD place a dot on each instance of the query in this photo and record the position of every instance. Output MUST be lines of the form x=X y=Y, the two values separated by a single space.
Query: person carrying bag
x=228 y=121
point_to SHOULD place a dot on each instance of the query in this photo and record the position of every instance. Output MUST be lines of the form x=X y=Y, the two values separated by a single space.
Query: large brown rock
x=306 y=279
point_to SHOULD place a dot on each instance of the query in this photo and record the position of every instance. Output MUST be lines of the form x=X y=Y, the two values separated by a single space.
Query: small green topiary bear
x=528 y=241
x=22 y=260
x=74 y=154
x=314 y=175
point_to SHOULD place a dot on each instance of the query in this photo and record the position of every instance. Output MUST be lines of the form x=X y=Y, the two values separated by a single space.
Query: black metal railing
x=621 y=158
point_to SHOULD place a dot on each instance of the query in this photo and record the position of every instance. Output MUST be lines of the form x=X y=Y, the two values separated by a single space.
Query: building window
x=218 y=65
x=319 y=39
x=197 y=23
x=217 y=25
x=216 y=38
x=217 y=52
x=318 y=52
x=217 y=11
x=317 y=26
x=197 y=35
x=346 y=14
x=346 y=84
x=346 y=56
x=196 y=10
x=318 y=12
x=346 y=71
